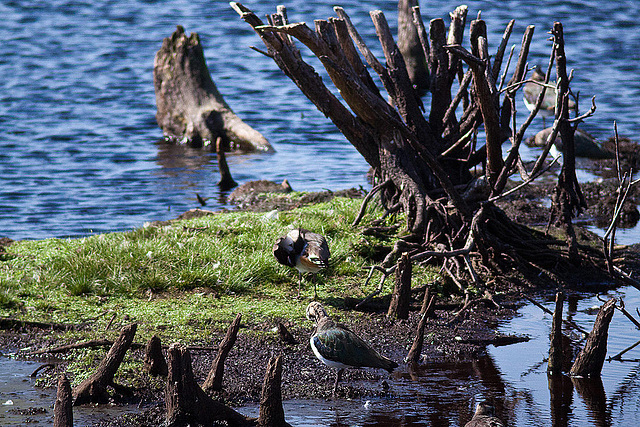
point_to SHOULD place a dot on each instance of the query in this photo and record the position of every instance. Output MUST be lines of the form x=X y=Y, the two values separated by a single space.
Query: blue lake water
x=80 y=154
x=79 y=148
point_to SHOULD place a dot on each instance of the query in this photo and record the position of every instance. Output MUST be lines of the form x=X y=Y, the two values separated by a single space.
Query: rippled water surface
x=79 y=150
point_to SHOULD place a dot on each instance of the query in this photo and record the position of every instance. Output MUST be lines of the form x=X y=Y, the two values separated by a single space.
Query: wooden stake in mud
x=154 y=361
x=63 y=408
x=590 y=360
x=214 y=379
x=416 y=348
x=271 y=411
x=186 y=403
x=94 y=388
x=554 y=366
x=399 y=306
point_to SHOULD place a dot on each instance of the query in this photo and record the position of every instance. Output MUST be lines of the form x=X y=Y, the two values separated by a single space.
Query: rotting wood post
x=154 y=361
x=428 y=303
x=590 y=360
x=568 y=198
x=226 y=180
x=554 y=367
x=285 y=335
x=186 y=403
x=271 y=410
x=416 y=348
x=63 y=408
x=399 y=306
x=214 y=379
x=94 y=388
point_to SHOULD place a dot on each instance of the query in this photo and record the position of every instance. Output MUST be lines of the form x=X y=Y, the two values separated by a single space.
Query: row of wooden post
x=186 y=402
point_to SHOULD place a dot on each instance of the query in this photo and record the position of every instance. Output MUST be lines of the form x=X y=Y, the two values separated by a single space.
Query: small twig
x=628 y=315
x=588 y=114
x=546 y=310
x=268 y=55
x=619 y=355
x=41 y=367
x=366 y=200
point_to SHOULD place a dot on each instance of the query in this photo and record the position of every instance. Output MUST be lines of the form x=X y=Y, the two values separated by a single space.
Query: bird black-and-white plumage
x=306 y=251
x=485 y=416
x=338 y=347
x=532 y=90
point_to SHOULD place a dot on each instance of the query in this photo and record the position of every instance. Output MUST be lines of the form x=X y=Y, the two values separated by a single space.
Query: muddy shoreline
x=448 y=340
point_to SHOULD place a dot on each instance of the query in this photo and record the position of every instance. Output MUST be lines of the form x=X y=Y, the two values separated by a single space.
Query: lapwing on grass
x=306 y=251
x=338 y=347
x=485 y=416
x=532 y=90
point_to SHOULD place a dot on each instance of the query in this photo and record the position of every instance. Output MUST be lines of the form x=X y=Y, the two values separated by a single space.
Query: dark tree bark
x=186 y=403
x=413 y=356
x=554 y=367
x=590 y=360
x=154 y=361
x=568 y=199
x=190 y=108
x=63 y=408
x=94 y=389
x=214 y=379
x=271 y=411
x=411 y=48
x=401 y=297
x=285 y=335
x=226 y=180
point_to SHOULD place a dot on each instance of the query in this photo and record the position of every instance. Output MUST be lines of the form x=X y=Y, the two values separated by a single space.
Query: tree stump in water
x=186 y=403
x=214 y=379
x=190 y=108
x=63 y=408
x=271 y=411
x=590 y=360
x=154 y=361
x=94 y=388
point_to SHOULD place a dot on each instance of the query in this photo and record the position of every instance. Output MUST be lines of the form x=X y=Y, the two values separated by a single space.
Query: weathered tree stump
x=554 y=366
x=285 y=335
x=186 y=403
x=94 y=388
x=399 y=306
x=63 y=408
x=154 y=361
x=190 y=108
x=590 y=360
x=214 y=379
x=428 y=303
x=416 y=348
x=271 y=411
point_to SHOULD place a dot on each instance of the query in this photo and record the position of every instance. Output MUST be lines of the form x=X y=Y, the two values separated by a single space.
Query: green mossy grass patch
x=186 y=280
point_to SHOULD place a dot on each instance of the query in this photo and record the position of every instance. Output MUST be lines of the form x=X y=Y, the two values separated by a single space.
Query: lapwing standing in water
x=306 y=251
x=485 y=416
x=532 y=90
x=338 y=347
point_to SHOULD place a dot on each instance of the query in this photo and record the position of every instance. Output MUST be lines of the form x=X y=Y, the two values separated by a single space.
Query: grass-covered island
x=185 y=281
